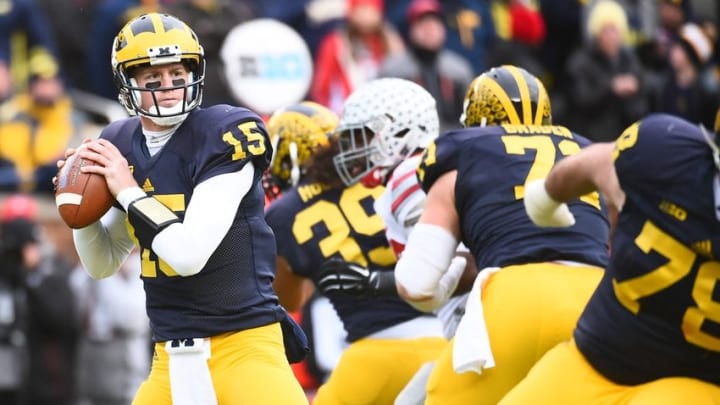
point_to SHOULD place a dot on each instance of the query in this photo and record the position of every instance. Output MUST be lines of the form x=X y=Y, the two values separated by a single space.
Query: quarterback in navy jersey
x=187 y=184
x=533 y=283
x=651 y=331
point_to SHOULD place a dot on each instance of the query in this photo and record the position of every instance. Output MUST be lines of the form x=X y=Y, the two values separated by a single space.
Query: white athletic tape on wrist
x=543 y=210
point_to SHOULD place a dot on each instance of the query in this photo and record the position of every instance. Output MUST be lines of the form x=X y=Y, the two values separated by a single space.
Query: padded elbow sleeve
x=149 y=217
x=425 y=260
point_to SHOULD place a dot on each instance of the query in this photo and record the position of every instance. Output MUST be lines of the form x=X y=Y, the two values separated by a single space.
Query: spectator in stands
x=312 y=19
x=521 y=31
x=35 y=118
x=443 y=73
x=114 y=352
x=563 y=35
x=642 y=17
x=470 y=26
x=351 y=54
x=109 y=18
x=15 y=238
x=672 y=15
x=607 y=92
x=519 y=21
x=70 y=24
x=212 y=20
x=53 y=322
x=471 y=31
x=684 y=91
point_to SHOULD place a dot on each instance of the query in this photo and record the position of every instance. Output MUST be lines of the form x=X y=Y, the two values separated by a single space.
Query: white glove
x=445 y=287
x=543 y=210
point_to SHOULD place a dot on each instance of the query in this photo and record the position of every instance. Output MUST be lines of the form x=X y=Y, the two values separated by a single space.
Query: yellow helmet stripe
x=522 y=85
x=157 y=23
x=542 y=100
x=505 y=101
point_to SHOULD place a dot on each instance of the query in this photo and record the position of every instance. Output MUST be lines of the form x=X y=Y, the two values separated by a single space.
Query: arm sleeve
x=104 y=245
x=187 y=246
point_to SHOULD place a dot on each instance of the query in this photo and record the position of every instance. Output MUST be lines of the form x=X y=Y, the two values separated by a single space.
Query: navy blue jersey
x=656 y=312
x=313 y=223
x=493 y=164
x=234 y=289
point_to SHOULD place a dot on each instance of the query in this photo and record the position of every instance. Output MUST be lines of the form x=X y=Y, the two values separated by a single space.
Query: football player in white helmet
x=384 y=127
x=382 y=123
x=322 y=219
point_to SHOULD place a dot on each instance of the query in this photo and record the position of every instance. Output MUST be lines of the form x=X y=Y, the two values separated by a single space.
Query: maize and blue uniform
x=314 y=223
x=546 y=275
x=651 y=332
x=231 y=300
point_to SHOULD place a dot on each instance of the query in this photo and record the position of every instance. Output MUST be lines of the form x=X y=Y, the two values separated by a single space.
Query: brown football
x=81 y=198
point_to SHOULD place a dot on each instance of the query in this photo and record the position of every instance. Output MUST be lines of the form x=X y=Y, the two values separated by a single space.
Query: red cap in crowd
x=352 y=4
x=419 y=8
x=18 y=206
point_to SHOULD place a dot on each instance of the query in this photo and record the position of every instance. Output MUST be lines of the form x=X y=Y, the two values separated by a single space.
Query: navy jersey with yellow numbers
x=234 y=289
x=313 y=224
x=656 y=312
x=493 y=164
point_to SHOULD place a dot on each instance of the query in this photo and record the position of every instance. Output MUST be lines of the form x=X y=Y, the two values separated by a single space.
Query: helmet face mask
x=151 y=40
x=358 y=155
x=296 y=132
x=506 y=95
x=382 y=123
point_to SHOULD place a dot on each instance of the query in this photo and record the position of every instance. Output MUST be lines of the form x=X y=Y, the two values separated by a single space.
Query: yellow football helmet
x=506 y=95
x=296 y=132
x=156 y=39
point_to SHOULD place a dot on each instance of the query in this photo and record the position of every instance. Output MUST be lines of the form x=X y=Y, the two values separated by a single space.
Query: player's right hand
x=543 y=210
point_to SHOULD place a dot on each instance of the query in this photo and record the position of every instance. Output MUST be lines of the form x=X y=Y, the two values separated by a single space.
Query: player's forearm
x=581 y=173
x=103 y=246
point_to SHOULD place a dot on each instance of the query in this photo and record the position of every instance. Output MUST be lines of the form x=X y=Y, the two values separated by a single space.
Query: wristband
x=382 y=284
x=542 y=209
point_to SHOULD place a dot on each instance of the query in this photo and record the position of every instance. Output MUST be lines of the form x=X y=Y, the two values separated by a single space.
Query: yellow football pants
x=528 y=309
x=374 y=371
x=563 y=376
x=247 y=368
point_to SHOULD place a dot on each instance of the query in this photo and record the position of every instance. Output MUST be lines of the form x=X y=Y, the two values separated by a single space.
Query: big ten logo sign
x=266 y=64
x=287 y=66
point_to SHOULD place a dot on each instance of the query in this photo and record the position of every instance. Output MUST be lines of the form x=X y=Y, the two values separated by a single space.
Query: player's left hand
x=339 y=276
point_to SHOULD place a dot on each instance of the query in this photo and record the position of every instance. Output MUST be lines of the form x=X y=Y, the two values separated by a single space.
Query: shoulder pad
x=442 y=155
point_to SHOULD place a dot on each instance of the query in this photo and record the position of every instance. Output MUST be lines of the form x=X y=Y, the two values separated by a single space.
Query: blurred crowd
x=605 y=63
